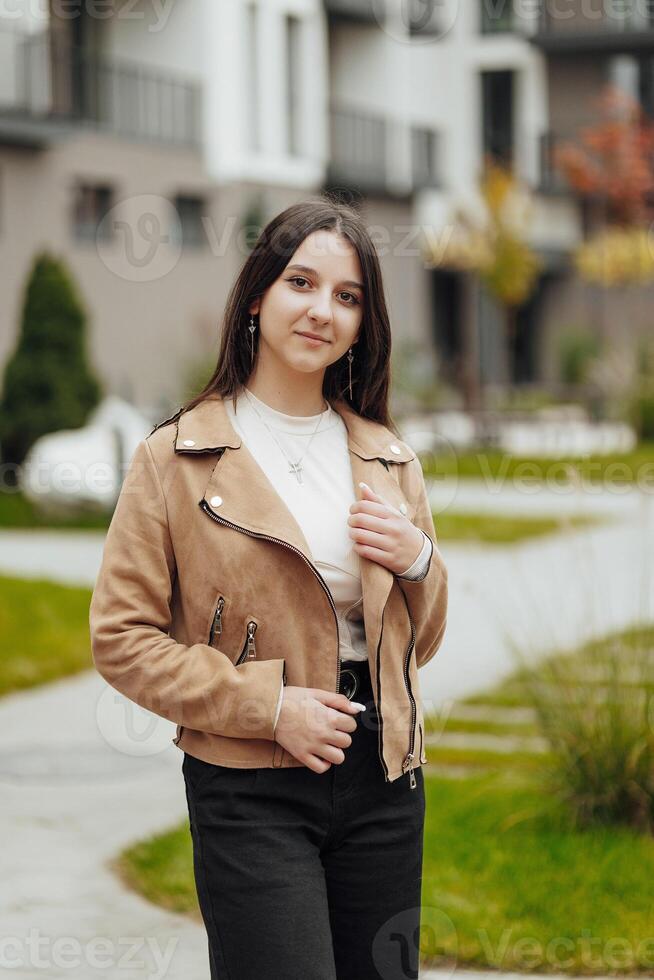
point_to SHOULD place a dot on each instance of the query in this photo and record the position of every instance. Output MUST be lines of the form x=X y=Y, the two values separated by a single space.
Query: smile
x=315 y=341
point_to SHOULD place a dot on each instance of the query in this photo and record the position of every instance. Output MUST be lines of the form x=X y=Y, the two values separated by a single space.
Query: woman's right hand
x=313 y=725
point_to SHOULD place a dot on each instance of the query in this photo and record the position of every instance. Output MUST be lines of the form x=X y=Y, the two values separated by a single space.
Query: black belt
x=355 y=675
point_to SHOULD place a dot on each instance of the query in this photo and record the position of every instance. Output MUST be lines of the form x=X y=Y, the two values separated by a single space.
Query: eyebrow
x=314 y=272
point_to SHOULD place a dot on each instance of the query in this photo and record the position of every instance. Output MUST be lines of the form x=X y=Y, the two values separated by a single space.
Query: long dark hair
x=270 y=255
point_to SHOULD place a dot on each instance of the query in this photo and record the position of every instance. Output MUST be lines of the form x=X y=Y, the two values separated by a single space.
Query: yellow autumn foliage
x=496 y=249
x=617 y=256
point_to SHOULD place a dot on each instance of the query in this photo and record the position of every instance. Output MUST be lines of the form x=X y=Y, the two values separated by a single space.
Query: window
x=496 y=16
x=293 y=36
x=91 y=203
x=497 y=115
x=190 y=210
x=424 y=151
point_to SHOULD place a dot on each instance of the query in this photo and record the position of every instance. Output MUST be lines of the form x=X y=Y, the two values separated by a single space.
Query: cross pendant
x=297 y=469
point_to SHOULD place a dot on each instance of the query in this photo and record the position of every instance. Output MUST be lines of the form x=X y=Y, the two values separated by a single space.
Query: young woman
x=271 y=582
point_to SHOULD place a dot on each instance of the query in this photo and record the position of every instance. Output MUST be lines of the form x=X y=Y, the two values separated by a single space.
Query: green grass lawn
x=637 y=465
x=45 y=632
x=502 y=529
x=18 y=512
x=504 y=875
x=509 y=882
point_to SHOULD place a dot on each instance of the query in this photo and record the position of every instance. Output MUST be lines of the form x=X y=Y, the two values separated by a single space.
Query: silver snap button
x=216 y=501
x=395 y=449
x=403 y=508
x=189 y=442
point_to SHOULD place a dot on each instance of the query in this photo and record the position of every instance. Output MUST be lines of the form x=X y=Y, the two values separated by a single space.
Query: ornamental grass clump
x=595 y=709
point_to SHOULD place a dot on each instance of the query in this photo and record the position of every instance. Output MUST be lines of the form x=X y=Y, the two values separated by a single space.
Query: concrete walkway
x=85 y=773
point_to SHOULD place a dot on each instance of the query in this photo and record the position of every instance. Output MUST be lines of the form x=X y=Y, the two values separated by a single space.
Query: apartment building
x=139 y=139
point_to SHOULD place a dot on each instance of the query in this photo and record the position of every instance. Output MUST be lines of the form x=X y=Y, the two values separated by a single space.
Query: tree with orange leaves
x=612 y=161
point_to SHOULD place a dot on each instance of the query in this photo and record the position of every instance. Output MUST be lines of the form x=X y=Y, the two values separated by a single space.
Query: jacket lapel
x=239 y=491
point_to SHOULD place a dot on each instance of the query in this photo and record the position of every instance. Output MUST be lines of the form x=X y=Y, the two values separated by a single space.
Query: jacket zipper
x=217 y=624
x=381 y=721
x=268 y=537
x=407 y=765
x=249 y=650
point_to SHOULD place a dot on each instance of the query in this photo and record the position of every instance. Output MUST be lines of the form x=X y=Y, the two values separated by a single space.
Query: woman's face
x=320 y=292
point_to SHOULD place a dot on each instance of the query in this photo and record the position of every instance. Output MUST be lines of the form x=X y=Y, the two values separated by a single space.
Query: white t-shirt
x=320 y=503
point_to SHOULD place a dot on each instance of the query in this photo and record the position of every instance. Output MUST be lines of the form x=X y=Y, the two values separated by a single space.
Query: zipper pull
x=408 y=765
x=217 y=625
x=252 y=650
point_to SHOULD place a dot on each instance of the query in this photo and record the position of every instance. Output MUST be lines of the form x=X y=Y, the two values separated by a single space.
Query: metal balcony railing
x=47 y=82
x=362 y=153
x=358 y=149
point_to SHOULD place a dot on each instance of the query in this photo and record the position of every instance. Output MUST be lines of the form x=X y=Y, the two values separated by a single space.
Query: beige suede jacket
x=207 y=598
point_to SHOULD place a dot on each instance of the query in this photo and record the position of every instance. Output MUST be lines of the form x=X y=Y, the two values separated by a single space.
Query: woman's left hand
x=382 y=533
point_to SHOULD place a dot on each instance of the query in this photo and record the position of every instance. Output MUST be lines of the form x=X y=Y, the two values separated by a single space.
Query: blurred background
x=502 y=154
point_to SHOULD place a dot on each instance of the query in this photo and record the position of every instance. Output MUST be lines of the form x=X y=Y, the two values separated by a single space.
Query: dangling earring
x=252 y=328
x=350 y=358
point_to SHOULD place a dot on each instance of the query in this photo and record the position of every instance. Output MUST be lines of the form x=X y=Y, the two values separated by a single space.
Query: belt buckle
x=349 y=694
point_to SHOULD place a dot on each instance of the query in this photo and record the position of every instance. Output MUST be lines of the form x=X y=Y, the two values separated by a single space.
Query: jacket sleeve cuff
x=420 y=567
x=279 y=705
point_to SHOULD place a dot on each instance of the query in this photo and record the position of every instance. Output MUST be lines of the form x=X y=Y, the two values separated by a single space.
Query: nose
x=321 y=311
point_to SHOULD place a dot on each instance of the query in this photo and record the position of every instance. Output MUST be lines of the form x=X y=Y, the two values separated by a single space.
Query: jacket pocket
x=224 y=633
x=249 y=649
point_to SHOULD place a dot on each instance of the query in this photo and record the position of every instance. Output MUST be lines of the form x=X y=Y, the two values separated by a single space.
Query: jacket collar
x=207 y=427
x=239 y=492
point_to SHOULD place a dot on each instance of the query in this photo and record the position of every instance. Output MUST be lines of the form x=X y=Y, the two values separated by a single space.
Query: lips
x=312 y=336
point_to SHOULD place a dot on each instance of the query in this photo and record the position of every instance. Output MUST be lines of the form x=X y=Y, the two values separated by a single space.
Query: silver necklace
x=294 y=466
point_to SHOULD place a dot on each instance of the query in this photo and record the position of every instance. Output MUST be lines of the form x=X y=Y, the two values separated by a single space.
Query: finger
x=372 y=496
x=368 y=521
x=317 y=764
x=338 y=701
x=374 y=554
x=370 y=507
x=373 y=539
x=367 y=493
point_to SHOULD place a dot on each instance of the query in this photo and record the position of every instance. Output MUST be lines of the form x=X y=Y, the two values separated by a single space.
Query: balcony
x=49 y=89
x=421 y=18
x=595 y=27
x=374 y=154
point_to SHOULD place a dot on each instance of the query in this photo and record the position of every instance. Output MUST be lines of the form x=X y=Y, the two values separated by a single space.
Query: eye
x=353 y=301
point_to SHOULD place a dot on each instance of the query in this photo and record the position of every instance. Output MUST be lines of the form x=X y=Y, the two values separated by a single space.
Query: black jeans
x=310 y=876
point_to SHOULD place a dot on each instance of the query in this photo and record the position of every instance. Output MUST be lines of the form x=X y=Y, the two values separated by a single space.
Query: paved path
x=83 y=773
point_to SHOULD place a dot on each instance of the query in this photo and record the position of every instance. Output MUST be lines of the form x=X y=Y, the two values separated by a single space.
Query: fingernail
x=361 y=707
x=363 y=484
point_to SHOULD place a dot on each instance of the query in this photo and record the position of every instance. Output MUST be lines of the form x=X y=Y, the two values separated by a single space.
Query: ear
x=254 y=306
